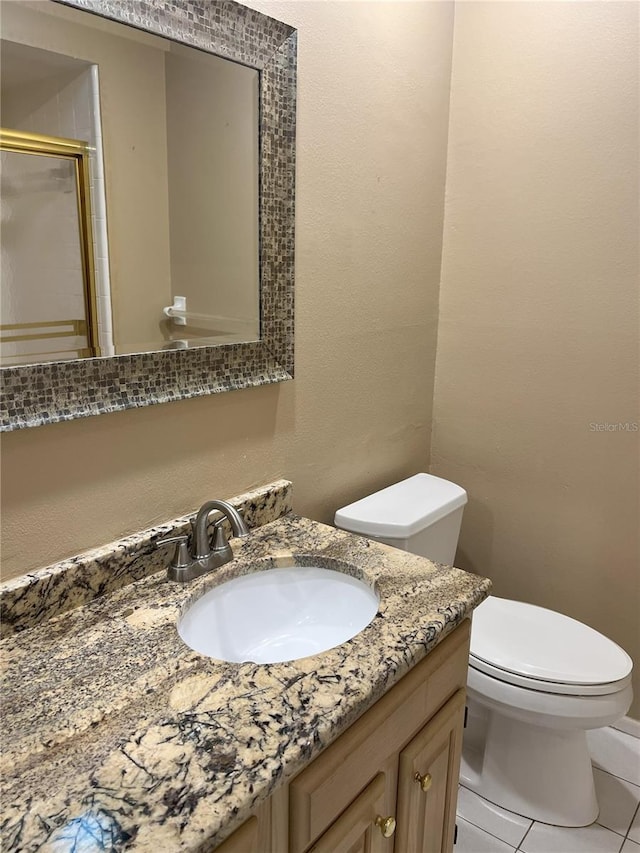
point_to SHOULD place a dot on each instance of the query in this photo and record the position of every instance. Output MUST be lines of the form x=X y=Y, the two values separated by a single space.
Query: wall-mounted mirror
x=191 y=191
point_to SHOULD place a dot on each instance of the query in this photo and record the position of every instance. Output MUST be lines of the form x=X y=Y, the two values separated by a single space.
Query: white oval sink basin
x=278 y=615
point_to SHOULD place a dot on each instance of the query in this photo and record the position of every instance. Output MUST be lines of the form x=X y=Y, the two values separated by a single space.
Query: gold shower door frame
x=77 y=151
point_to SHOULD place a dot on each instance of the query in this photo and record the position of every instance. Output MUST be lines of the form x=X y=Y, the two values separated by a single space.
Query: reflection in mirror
x=172 y=135
x=48 y=295
x=156 y=349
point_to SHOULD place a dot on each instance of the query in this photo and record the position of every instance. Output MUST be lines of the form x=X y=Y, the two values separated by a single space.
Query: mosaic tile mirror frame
x=39 y=394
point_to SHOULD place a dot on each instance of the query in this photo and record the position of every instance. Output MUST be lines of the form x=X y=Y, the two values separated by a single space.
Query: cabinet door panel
x=426 y=819
x=254 y=835
x=355 y=831
x=321 y=791
x=243 y=840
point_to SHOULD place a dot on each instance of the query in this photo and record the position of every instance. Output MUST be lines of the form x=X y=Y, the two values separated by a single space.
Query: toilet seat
x=554 y=687
x=542 y=650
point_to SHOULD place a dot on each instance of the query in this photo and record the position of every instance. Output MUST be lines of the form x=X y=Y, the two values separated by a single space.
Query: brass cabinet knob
x=424 y=781
x=387 y=825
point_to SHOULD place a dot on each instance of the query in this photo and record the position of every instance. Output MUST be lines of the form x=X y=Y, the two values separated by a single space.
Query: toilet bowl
x=537 y=680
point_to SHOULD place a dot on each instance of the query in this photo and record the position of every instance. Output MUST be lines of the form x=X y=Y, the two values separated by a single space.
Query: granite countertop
x=116 y=736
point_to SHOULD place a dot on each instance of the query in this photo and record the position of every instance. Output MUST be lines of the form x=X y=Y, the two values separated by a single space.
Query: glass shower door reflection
x=46 y=276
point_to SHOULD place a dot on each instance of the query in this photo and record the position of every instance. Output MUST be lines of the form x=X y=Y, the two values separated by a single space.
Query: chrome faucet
x=186 y=565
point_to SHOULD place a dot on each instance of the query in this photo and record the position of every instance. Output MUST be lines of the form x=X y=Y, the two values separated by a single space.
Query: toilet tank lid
x=404 y=509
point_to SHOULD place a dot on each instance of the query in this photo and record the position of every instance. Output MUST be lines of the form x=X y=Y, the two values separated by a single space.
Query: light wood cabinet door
x=355 y=831
x=431 y=761
x=254 y=835
x=243 y=840
x=321 y=792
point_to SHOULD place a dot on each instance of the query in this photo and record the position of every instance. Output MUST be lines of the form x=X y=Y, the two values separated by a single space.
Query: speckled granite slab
x=117 y=734
x=35 y=597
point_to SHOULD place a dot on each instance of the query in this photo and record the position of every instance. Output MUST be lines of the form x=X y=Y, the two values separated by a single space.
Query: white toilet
x=537 y=680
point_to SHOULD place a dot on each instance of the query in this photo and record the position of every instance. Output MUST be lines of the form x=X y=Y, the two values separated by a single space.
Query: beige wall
x=538 y=332
x=372 y=124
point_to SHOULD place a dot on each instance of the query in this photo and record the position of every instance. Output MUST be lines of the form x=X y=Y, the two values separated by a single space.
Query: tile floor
x=485 y=828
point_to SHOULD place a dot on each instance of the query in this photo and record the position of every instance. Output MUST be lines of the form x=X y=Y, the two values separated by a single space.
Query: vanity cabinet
x=255 y=835
x=355 y=831
x=427 y=783
x=424 y=807
x=243 y=840
x=389 y=783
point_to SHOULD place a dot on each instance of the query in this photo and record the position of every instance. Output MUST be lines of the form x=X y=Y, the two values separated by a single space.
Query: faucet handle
x=181 y=557
x=220 y=541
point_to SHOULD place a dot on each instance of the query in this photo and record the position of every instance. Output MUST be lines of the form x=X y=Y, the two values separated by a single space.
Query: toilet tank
x=421 y=515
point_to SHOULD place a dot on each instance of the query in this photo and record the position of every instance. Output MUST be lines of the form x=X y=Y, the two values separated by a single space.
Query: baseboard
x=629 y=726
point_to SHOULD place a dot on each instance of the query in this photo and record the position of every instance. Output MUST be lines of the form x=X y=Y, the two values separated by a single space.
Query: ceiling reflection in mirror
x=163 y=250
